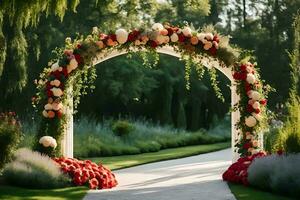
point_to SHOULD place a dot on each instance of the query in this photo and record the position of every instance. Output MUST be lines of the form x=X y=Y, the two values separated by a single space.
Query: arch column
x=67 y=140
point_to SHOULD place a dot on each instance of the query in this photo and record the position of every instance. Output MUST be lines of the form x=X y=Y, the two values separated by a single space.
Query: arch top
x=206 y=61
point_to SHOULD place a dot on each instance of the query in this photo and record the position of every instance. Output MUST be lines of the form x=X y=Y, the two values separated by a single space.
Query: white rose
x=48 y=106
x=54 y=67
x=57 y=92
x=250 y=121
x=122 y=35
x=53 y=143
x=55 y=83
x=137 y=42
x=257 y=116
x=209 y=36
x=57 y=106
x=250 y=78
x=256 y=105
x=254 y=151
x=249 y=137
x=249 y=69
x=160 y=39
x=201 y=37
x=174 y=37
x=166 y=39
x=157 y=27
x=207 y=45
x=95 y=30
x=45 y=113
x=255 y=95
x=45 y=141
x=187 y=31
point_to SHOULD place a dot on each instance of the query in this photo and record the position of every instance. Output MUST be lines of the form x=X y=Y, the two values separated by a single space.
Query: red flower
x=243 y=67
x=247 y=87
x=65 y=72
x=48 y=85
x=113 y=37
x=236 y=76
x=59 y=114
x=181 y=37
x=213 y=50
x=153 y=44
x=250 y=108
x=170 y=31
x=243 y=76
x=216 y=38
x=78 y=58
x=263 y=102
x=93 y=183
x=247 y=145
x=49 y=93
x=133 y=35
x=56 y=74
x=257 y=111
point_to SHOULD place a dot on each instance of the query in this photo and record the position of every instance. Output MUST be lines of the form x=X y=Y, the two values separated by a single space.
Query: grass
x=15 y=193
x=119 y=162
x=248 y=193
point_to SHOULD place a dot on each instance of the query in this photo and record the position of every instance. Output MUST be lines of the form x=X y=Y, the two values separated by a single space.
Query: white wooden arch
x=209 y=62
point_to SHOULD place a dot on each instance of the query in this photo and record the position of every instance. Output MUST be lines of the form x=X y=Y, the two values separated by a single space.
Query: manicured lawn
x=118 y=162
x=15 y=193
x=247 y=193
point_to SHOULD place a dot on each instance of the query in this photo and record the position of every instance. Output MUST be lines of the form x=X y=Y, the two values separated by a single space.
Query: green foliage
x=10 y=136
x=289 y=139
x=122 y=128
x=34 y=170
x=146 y=137
x=276 y=173
x=271 y=139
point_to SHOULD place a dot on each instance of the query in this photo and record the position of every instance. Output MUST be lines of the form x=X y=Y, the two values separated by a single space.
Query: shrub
x=10 y=136
x=271 y=139
x=33 y=170
x=278 y=173
x=122 y=128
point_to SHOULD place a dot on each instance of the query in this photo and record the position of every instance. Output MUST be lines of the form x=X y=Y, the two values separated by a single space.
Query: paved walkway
x=193 y=178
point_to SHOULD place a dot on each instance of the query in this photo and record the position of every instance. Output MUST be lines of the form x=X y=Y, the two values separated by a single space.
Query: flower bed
x=238 y=171
x=87 y=173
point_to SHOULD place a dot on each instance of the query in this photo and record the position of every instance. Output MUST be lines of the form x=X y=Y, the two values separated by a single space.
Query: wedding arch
x=65 y=76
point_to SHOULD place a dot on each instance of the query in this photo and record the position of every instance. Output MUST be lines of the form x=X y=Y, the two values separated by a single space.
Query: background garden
x=134 y=109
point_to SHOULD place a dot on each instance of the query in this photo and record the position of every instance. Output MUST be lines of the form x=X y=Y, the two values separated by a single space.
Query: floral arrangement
x=238 y=171
x=72 y=69
x=252 y=107
x=48 y=141
x=87 y=172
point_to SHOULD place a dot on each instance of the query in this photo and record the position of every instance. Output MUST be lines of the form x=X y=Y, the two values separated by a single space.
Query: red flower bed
x=238 y=171
x=87 y=172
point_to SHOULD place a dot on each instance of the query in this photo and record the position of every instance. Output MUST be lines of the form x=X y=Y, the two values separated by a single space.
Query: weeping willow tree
x=15 y=17
x=30 y=29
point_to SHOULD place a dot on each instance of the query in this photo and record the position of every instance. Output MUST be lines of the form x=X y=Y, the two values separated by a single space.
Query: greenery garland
x=72 y=69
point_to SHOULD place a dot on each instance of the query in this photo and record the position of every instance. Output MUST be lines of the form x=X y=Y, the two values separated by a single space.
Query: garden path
x=192 y=178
